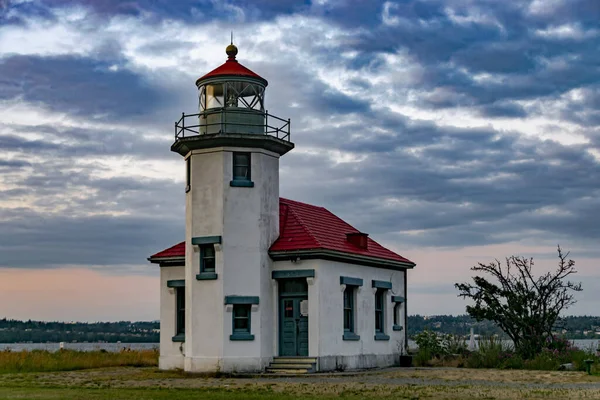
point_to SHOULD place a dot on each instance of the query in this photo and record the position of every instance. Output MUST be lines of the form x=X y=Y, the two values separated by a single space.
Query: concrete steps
x=292 y=365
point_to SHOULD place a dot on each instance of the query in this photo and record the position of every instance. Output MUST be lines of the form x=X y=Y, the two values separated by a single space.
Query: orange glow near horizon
x=77 y=294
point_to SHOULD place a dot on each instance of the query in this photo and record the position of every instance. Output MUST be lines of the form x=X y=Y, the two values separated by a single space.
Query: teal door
x=293 y=326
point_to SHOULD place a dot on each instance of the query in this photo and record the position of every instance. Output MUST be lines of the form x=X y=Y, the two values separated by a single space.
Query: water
x=112 y=347
x=584 y=344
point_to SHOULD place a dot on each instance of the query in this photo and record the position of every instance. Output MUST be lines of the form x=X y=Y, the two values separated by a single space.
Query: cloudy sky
x=452 y=131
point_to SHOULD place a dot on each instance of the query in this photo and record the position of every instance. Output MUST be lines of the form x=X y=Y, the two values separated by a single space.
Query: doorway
x=293 y=318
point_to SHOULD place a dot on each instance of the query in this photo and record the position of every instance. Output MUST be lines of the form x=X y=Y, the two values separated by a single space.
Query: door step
x=292 y=365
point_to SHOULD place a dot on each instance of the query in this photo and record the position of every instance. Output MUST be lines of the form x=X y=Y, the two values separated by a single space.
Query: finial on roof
x=231 y=50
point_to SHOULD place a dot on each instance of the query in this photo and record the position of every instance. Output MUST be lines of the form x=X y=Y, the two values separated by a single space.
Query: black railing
x=192 y=125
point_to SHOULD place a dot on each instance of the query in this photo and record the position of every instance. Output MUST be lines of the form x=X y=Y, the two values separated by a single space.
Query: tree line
x=14 y=331
x=572 y=327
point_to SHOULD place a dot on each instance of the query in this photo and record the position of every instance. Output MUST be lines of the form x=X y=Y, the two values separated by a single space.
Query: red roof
x=174 y=251
x=232 y=68
x=306 y=227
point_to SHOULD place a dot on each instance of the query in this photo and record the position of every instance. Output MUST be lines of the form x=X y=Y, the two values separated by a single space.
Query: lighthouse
x=231 y=149
x=263 y=283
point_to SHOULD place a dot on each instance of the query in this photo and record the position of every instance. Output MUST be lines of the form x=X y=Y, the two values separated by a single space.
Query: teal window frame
x=241 y=303
x=205 y=242
x=380 y=314
x=349 y=306
x=349 y=309
x=241 y=313
x=241 y=179
x=188 y=174
x=208 y=259
x=397 y=300
x=179 y=314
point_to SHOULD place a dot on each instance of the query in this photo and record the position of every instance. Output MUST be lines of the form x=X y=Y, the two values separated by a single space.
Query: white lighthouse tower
x=231 y=149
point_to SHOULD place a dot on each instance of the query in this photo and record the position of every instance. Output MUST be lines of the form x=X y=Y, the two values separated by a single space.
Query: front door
x=294 y=326
x=293 y=317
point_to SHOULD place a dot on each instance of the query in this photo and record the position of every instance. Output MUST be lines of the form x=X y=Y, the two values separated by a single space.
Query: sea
x=112 y=347
x=584 y=344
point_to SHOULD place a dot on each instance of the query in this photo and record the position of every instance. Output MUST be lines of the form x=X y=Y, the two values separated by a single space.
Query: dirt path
x=447 y=383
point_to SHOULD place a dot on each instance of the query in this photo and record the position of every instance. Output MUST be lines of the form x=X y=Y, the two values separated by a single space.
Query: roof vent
x=359 y=239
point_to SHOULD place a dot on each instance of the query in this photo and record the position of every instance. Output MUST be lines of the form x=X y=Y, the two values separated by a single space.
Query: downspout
x=405 y=311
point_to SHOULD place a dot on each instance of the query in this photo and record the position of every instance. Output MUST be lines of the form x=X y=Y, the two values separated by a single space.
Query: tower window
x=241 y=322
x=241 y=318
x=207 y=258
x=188 y=174
x=241 y=166
x=241 y=170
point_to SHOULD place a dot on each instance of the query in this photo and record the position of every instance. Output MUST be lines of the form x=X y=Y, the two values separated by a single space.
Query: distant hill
x=581 y=327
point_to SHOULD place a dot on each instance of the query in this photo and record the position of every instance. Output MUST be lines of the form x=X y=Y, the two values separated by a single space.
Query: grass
x=70 y=360
x=151 y=384
x=99 y=375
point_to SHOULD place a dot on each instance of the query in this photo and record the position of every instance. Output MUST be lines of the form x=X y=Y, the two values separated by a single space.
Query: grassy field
x=69 y=360
x=148 y=383
x=101 y=375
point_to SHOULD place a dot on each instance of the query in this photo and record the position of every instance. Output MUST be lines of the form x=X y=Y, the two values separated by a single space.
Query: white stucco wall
x=326 y=320
x=204 y=299
x=171 y=353
x=366 y=352
x=251 y=225
x=248 y=221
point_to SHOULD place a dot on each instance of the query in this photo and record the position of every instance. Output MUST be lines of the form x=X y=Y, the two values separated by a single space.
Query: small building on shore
x=262 y=282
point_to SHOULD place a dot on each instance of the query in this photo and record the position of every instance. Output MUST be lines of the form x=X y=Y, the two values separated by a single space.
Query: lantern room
x=231 y=98
x=231 y=102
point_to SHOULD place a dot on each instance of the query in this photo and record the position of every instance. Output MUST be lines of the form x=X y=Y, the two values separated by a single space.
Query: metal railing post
x=183 y=123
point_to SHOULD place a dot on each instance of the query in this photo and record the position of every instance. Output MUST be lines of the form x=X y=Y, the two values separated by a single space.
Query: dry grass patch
x=70 y=360
x=496 y=375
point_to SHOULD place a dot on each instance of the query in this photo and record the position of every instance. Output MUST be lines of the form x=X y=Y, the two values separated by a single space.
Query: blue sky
x=451 y=131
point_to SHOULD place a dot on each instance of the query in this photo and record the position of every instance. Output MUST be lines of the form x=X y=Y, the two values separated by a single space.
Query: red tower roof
x=304 y=228
x=231 y=67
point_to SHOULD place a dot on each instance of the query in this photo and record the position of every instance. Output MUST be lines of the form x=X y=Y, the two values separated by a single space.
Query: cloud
x=429 y=124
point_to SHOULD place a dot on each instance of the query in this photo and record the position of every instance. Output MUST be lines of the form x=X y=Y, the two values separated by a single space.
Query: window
x=350 y=286
x=180 y=314
x=207 y=258
x=397 y=300
x=241 y=311
x=381 y=288
x=214 y=96
x=241 y=170
x=188 y=173
x=241 y=166
x=241 y=322
x=349 y=309
x=379 y=311
x=241 y=318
